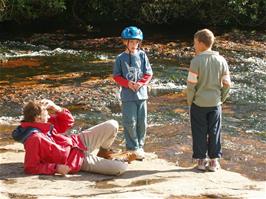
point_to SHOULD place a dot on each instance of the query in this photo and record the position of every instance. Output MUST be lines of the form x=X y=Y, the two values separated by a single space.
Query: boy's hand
x=62 y=169
x=131 y=85
x=48 y=104
x=137 y=86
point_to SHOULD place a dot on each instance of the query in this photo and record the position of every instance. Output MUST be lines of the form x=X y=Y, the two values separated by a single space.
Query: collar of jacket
x=209 y=52
x=43 y=127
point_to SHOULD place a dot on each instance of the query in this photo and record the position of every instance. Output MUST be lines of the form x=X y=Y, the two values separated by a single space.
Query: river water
x=81 y=81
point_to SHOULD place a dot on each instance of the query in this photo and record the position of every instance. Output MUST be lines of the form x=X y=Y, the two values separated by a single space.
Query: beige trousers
x=101 y=135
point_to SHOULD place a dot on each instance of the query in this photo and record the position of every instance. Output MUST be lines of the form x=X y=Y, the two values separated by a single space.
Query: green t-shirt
x=208 y=80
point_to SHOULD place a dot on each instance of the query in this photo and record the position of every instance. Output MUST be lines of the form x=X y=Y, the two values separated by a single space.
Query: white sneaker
x=202 y=164
x=140 y=154
x=214 y=165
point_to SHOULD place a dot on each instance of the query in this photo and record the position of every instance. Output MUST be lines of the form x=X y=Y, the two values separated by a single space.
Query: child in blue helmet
x=132 y=71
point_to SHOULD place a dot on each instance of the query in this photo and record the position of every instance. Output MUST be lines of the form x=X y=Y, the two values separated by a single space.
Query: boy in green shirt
x=208 y=85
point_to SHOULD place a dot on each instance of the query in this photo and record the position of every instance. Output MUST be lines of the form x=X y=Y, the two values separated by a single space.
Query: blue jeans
x=206 y=131
x=135 y=123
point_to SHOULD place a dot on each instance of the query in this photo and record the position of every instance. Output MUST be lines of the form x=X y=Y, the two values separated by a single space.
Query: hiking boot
x=105 y=153
x=125 y=156
x=214 y=165
x=202 y=164
x=140 y=154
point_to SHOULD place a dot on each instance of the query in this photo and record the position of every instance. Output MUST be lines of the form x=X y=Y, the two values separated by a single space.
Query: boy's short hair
x=205 y=36
x=32 y=110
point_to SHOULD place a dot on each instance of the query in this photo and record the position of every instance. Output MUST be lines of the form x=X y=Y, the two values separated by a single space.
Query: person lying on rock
x=49 y=151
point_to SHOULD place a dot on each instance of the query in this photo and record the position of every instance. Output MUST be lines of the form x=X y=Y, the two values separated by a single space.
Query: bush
x=27 y=10
x=204 y=12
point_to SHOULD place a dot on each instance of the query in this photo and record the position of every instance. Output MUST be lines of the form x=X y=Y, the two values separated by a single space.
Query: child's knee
x=112 y=167
x=113 y=123
x=121 y=169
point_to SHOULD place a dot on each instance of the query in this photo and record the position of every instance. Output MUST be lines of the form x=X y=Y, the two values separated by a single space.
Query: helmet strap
x=139 y=46
x=129 y=53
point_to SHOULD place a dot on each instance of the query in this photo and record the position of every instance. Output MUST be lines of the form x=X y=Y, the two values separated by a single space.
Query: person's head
x=35 y=111
x=203 y=40
x=132 y=37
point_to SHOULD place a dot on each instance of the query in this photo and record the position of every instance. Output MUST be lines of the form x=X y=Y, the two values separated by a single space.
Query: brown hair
x=205 y=36
x=32 y=110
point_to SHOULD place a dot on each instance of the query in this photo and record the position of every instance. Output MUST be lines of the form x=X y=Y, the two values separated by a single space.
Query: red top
x=124 y=82
x=44 y=150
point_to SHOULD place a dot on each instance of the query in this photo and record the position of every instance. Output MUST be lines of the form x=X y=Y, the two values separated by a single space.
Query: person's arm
x=192 y=81
x=147 y=73
x=124 y=82
x=32 y=161
x=117 y=74
x=121 y=81
x=62 y=119
x=118 y=77
x=62 y=169
x=226 y=83
x=143 y=81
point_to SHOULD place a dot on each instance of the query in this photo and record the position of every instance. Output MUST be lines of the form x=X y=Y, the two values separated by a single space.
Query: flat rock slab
x=150 y=178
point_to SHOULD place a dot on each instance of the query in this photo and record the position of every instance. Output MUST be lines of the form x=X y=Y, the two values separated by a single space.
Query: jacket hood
x=21 y=134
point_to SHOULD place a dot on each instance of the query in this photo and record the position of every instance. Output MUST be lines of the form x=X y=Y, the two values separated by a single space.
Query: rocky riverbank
x=88 y=89
x=151 y=178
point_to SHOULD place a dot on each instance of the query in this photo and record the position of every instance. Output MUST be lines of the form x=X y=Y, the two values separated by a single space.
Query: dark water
x=169 y=136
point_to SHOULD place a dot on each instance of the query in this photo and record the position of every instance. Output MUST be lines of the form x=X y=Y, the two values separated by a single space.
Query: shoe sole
x=213 y=170
x=124 y=157
x=201 y=169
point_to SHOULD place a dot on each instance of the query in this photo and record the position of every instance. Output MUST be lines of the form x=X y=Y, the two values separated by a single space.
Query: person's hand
x=48 y=104
x=189 y=110
x=62 y=169
x=137 y=86
x=131 y=85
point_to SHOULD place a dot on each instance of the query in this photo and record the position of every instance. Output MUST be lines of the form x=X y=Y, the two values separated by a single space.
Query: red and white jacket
x=49 y=147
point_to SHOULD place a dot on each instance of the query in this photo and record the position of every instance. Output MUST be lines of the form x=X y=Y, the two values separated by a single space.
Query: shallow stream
x=81 y=81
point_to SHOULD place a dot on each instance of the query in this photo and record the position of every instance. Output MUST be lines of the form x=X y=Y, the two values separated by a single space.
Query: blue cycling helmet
x=132 y=32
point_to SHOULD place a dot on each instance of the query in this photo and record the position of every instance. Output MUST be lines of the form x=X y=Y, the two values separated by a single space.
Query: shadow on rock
x=11 y=170
x=15 y=170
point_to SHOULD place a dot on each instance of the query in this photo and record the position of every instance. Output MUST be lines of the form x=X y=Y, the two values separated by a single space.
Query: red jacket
x=45 y=150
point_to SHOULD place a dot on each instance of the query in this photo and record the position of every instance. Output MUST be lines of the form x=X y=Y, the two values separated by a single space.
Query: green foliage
x=204 y=12
x=164 y=11
x=106 y=10
x=210 y=12
x=26 y=10
x=2 y=5
x=248 y=12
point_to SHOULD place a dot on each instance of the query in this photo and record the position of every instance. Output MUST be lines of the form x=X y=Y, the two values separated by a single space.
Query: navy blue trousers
x=206 y=131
